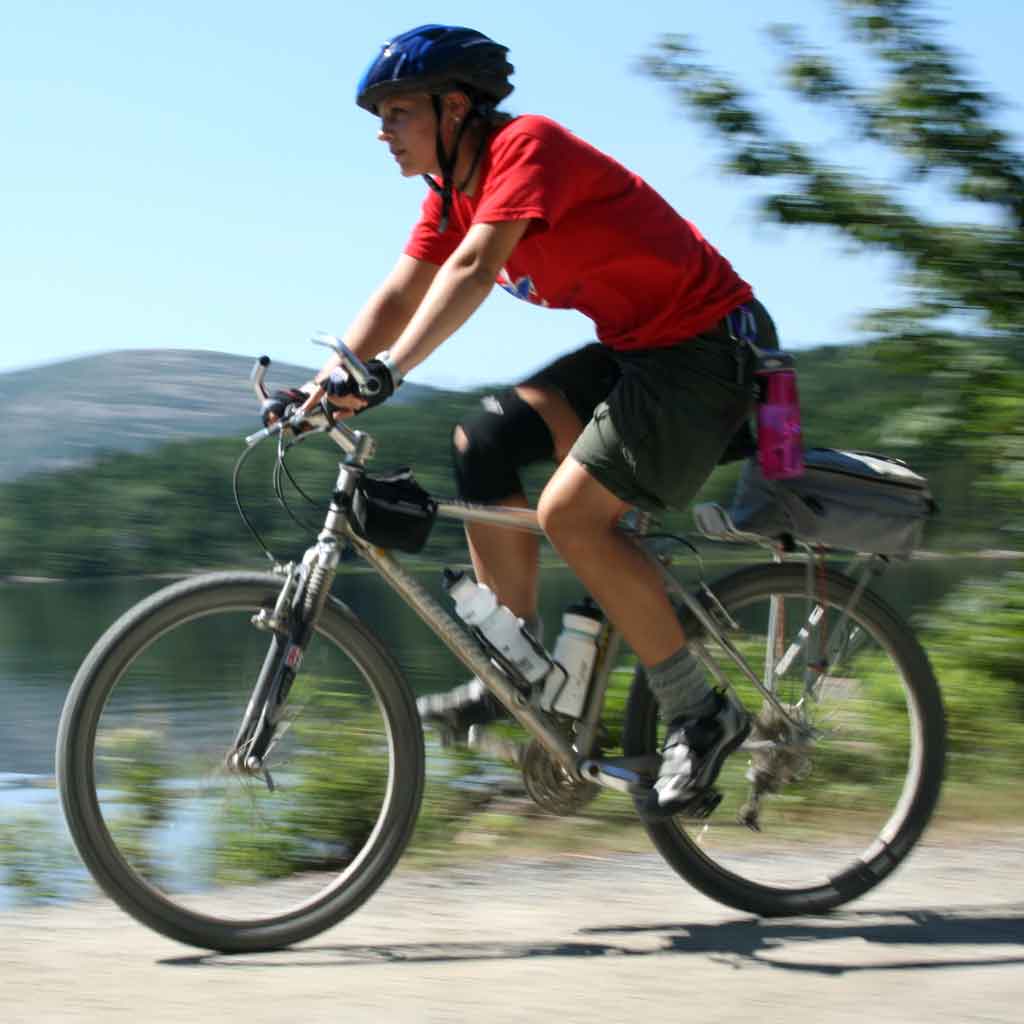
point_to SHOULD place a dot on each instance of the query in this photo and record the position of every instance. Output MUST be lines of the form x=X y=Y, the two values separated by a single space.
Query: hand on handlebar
x=341 y=395
x=348 y=397
x=284 y=404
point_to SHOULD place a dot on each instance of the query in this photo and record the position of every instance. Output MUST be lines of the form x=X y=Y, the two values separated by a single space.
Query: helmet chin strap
x=446 y=161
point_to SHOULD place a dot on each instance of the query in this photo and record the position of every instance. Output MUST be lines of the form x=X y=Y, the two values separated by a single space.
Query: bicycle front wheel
x=805 y=826
x=209 y=856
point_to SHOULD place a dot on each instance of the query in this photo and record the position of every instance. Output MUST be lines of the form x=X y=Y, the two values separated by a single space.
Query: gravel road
x=567 y=938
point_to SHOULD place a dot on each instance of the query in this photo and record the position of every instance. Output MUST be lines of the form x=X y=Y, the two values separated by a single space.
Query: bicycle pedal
x=698 y=807
x=703 y=805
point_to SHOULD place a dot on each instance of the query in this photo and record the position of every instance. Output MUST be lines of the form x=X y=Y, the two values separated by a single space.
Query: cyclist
x=639 y=418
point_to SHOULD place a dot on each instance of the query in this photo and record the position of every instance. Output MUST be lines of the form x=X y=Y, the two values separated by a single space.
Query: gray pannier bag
x=854 y=501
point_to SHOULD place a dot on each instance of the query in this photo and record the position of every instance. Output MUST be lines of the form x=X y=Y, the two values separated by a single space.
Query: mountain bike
x=241 y=763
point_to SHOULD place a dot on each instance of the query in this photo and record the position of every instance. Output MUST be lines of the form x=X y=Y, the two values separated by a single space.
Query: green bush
x=134 y=766
x=980 y=626
x=35 y=858
x=984 y=732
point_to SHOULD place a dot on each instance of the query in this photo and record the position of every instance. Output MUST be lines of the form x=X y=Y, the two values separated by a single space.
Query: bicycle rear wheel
x=836 y=815
x=209 y=856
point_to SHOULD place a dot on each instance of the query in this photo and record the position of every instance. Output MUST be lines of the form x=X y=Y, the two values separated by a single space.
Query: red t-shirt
x=601 y=239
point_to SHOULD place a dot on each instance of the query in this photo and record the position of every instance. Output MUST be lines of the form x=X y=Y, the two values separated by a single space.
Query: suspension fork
x=291 y=625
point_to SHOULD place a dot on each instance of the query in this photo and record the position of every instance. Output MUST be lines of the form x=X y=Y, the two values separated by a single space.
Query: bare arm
x=445 y=299
x=388 y=310
x=457 y=291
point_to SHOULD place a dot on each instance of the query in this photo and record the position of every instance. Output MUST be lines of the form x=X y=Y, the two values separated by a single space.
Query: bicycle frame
x=472 y=653
x=574 y=754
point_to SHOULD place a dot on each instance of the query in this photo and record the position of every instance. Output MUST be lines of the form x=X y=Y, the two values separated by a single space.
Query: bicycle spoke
x=190 y=824
x=837 y=786
x=854 y=783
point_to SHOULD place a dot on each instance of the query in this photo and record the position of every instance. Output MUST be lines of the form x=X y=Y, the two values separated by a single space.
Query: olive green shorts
x=660 y=420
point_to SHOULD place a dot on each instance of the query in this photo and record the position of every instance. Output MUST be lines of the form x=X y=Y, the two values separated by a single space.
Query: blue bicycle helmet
x=434 y=58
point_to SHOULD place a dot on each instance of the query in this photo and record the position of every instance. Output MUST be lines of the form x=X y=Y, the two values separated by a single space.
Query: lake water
x=46 y=629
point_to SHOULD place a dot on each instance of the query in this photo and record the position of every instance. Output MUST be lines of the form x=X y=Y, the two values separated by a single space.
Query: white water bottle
x=477 y=606
x=575 y=652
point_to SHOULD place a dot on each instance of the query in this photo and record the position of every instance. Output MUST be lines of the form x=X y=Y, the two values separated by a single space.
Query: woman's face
x=408 y=125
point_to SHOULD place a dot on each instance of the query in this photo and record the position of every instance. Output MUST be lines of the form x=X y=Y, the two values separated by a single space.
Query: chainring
x=550 y=786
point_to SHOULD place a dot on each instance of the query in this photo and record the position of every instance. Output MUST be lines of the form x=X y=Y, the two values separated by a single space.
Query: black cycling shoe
x=691 y=758
x=454 y=712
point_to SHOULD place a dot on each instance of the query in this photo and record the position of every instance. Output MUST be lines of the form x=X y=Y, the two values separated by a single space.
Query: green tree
x=916 y=109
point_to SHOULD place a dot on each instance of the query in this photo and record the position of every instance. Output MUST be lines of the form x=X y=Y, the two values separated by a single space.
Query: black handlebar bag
x=853 y=501
x=392 y=511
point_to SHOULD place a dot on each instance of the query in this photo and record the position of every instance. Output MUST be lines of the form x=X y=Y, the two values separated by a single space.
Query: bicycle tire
x=767 y=873
x=383 y=718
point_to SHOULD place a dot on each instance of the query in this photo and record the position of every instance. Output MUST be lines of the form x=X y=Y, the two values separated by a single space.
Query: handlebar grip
x=261 y=435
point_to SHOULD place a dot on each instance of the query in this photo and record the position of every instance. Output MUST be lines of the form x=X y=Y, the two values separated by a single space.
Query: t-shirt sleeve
x=526 y=181
x=424 y=242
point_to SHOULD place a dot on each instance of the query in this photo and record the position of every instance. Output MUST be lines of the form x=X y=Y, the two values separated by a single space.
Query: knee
x=549 y=513
x=566 y=520
x=492 y=444
x=483 y=472
x=574 y=513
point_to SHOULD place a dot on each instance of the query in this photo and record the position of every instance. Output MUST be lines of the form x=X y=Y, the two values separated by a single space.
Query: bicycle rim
x=199 y=851
x=806 y=826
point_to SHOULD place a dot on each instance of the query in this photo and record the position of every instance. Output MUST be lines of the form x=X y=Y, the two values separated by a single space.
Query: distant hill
x=62 y=414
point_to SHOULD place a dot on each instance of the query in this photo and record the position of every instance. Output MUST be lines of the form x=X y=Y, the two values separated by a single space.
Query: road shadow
x=807 y=944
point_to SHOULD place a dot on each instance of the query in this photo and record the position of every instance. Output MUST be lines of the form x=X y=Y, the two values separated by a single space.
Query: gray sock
x=680 y=686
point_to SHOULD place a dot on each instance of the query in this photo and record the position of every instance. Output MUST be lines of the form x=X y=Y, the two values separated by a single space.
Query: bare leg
x=579 y=516
x=507 y=560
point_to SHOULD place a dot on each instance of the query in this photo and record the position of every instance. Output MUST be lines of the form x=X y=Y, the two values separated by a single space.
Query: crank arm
x=632 y=775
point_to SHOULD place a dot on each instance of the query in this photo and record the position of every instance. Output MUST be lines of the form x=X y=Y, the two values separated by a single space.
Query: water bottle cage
x=547 y=695
x=503 y=663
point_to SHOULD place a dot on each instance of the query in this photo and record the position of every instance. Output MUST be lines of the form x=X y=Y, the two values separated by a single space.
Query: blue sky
x=196 y=174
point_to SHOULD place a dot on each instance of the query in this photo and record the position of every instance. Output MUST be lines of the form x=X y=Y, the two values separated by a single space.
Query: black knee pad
x=502 y=436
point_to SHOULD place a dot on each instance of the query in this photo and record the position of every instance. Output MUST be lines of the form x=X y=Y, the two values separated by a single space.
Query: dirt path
x=565 y=939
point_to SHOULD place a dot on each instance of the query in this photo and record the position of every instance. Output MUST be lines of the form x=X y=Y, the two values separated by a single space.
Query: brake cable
x=235 y=476
x=281 y=467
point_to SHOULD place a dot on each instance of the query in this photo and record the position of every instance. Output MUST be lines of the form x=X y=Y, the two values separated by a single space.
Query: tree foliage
x=908 y=99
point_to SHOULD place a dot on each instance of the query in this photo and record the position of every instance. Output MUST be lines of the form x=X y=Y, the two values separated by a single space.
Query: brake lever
x=368 y=384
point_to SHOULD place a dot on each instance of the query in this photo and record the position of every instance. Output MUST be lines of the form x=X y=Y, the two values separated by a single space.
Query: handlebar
x=352 y=441
x=256 y=378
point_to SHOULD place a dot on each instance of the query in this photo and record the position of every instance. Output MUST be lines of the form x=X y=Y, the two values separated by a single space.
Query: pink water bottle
x=779 y=445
